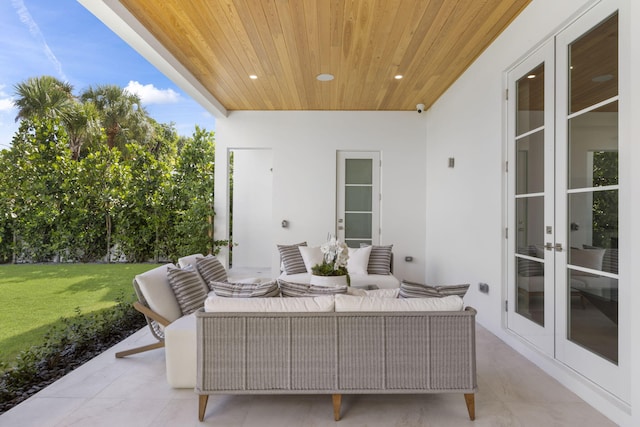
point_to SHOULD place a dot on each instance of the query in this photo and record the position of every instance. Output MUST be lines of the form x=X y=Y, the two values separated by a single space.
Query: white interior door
x=358 y=197
x=251 y=208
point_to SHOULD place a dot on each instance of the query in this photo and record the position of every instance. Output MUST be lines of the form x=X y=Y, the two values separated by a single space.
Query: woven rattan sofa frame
x=226 y=364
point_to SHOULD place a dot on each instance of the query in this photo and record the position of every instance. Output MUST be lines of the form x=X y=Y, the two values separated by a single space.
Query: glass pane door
x=529 y=197
x=563 y=191
x=531 y=194
x=587 y=132
x=358 y=198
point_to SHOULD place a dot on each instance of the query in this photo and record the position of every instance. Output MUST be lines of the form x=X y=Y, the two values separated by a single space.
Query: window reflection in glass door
x=592 y=196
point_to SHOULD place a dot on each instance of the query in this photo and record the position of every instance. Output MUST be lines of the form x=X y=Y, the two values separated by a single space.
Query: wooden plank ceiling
x=363 y=43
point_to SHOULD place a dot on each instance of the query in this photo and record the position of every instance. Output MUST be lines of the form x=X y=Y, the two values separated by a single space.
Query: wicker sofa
x=336 y=353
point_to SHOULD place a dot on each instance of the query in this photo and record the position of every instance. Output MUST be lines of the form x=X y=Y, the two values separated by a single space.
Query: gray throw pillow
x=188 y=288
x=419 y=290
x=290 y=289
x=292 y=258
x=245 y=290
x=379 y=260
x=211 y=269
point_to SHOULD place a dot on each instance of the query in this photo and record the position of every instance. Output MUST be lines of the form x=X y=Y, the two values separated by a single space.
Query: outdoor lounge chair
x=157 y=303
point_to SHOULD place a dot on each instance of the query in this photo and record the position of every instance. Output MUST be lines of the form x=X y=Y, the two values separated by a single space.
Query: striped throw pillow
x=290 y=289
x=188 y=287
x=246 y=290
x=379 y=260
x=527 y=267
x=419 y=290
x=211 y=269
x=292 y=258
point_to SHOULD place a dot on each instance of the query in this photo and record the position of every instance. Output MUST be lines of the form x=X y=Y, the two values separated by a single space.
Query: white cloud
x=149 y=94
x=34 y=29
x=6 y=101
x=6 y=104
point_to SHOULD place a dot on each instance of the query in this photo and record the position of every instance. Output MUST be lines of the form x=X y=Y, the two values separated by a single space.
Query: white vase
x=328 y=280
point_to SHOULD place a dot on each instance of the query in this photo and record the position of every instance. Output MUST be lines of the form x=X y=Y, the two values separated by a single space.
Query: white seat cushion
x=156 y=289
x=180 y=352
x=356 y=303
x=188 y=260
x=265 y=305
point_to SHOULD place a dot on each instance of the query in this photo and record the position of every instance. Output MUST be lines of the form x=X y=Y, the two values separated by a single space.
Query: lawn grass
x=35 y=296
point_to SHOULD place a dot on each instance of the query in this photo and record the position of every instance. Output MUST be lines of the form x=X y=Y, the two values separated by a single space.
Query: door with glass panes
x=358 y=197
x=563 y=200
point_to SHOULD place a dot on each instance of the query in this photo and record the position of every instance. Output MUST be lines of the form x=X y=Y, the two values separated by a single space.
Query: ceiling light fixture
x=324 y=77
x=253 y=76
x=398 y=76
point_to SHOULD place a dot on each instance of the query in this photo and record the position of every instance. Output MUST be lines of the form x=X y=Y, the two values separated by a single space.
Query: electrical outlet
x=483 y=287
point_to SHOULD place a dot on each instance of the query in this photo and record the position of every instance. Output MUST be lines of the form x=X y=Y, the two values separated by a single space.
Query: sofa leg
x=202 y=405
x=337 y=401
x=137 y=350
x=470 y=400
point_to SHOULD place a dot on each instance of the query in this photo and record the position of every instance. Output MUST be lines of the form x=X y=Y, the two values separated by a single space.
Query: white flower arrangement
x=336 y=255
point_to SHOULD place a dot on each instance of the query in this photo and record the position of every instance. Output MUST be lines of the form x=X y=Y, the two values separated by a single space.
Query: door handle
x=548 y=246
x=558 y=247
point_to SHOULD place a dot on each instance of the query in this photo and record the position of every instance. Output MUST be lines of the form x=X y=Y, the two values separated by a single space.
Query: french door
x=563 y=187
x=531 y=192
x=358 y=197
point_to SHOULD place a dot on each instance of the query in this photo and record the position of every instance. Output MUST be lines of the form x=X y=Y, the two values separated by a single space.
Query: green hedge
x=66 y=346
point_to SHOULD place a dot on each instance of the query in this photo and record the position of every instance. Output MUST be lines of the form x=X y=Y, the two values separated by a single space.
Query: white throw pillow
x=155 y=287
x=588 y=258
x=188 y=260
x=311 y=256
x=383 y=293
x=358 y=260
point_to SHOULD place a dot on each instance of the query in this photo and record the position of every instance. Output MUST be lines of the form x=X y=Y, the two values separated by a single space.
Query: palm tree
x=118 y=110
x=82 y=125
x=43 y=96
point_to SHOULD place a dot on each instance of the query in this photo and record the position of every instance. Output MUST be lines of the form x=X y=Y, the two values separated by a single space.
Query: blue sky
x=62 y=39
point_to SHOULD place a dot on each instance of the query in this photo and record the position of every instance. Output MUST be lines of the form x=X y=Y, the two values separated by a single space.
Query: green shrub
x=66 y=347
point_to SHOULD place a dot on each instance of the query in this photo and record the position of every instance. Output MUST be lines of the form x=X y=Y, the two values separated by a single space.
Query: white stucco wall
x=304 y=145
x=465 y=206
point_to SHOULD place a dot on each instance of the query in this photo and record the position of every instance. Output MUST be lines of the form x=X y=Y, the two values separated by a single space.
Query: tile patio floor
x=133 y=392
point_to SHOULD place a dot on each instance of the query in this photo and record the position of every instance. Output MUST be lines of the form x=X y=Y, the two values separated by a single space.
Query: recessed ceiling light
x=398 y=76
x=253 y=76
x=324 y=77
x=531 y=76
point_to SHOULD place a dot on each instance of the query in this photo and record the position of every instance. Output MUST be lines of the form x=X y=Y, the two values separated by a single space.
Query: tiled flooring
x=133 y=392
